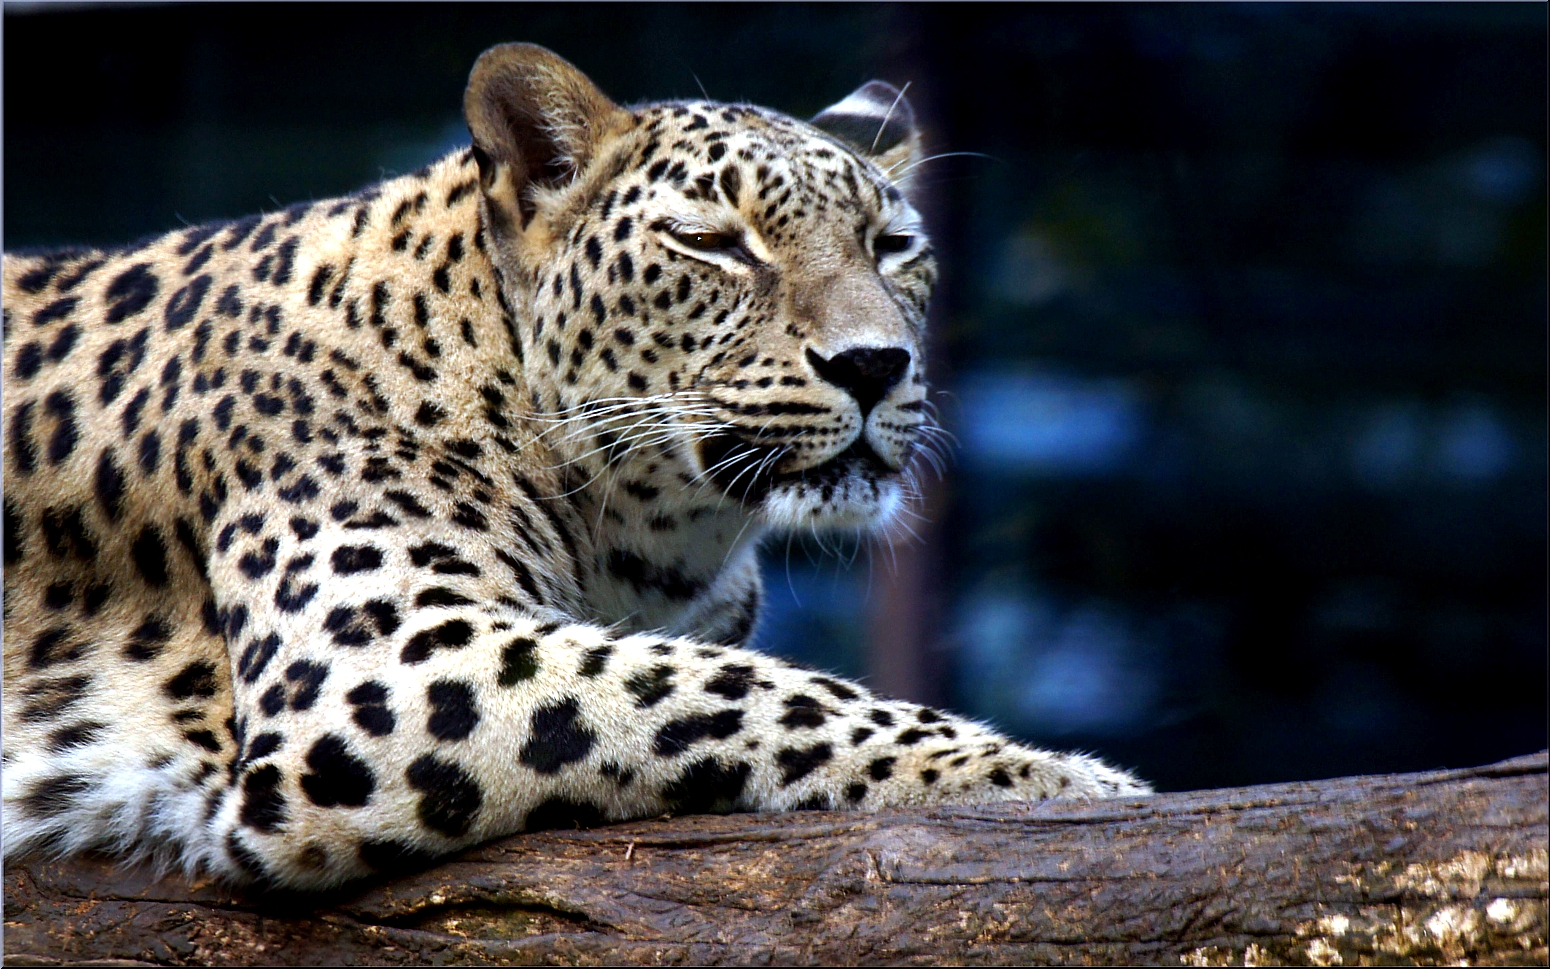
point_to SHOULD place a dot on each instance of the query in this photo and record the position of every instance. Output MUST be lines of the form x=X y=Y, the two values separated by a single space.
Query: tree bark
x=1444 y=867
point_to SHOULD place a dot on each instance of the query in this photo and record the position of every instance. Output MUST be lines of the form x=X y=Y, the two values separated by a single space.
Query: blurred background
x=1242 y=329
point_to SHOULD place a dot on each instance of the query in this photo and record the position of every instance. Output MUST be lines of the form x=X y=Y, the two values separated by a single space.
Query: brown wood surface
x=1444 y=867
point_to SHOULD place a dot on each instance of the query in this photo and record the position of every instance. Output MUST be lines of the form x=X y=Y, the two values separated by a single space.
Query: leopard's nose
x=866 y=373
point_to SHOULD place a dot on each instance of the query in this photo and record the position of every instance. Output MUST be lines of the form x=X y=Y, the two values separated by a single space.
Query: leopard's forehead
x=774 y=144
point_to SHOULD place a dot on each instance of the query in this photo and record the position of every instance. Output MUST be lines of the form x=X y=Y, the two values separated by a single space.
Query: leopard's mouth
x=749 y=472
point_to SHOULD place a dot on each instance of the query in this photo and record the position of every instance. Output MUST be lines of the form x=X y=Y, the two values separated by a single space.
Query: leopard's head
x=715 y=289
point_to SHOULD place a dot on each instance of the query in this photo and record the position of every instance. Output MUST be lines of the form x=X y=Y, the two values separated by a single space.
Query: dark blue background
x=1243 y=329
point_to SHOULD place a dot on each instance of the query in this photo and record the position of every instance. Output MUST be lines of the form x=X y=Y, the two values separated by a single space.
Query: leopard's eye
x=886 y=245
x=705 y=241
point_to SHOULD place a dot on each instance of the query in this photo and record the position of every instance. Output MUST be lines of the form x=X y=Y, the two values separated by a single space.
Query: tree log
x=1444 y=867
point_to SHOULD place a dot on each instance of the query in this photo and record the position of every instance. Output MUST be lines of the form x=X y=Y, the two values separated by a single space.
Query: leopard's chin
x=843 y=502
x=855 y=489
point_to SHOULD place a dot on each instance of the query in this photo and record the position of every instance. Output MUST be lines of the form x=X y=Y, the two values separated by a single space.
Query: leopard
x=346 y=536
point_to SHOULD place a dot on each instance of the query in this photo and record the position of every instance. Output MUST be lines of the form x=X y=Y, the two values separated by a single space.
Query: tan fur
x=343 y=537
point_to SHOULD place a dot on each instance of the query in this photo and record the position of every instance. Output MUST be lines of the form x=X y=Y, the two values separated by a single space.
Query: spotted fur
x=345 y=536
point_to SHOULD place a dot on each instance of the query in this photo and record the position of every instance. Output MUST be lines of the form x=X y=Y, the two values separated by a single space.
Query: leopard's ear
x=536 y=121
x=877 y=122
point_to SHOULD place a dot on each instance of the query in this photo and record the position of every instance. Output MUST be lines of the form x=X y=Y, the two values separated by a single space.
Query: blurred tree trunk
x=1445 y=867
x=904 y=607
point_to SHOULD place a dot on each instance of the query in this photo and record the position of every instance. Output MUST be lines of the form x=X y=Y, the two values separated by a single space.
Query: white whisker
x=884 y=125
x=945 y=154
